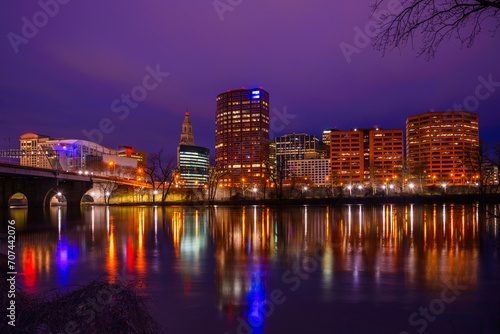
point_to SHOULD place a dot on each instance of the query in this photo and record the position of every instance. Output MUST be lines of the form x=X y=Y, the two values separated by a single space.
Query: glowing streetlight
x=107 y=193
x=350 y=189
x=360 y=187
x=444 y=186
x=412 y=186
x=59 y=194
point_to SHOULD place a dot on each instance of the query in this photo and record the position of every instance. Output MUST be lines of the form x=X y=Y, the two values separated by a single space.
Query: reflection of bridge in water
x=40 y=185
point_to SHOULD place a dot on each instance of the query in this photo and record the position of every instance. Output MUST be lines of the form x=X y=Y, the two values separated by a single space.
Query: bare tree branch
x=425 y=24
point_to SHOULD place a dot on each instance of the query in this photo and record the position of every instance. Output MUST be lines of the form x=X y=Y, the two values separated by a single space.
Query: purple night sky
x=64 y=79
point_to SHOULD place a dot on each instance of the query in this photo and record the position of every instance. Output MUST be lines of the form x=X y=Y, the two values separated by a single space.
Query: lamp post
x=385 y=188
x=111 y=165
x=411 y=187
x=350 y=190
x=254 y=192
x=444 y=186
x=391 y=186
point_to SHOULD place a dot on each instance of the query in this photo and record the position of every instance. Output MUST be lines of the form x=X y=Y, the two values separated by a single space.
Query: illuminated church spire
x=187 y=137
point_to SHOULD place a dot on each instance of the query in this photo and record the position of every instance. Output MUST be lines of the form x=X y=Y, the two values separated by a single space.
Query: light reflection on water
x=223 y=262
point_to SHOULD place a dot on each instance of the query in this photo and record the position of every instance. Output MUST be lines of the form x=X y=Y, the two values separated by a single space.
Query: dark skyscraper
x=242 y=135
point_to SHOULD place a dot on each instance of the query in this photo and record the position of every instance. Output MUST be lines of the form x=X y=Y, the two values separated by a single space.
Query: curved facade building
x=437 y=144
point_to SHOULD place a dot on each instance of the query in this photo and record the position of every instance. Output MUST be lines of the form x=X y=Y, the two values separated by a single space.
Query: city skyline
x=70 y=76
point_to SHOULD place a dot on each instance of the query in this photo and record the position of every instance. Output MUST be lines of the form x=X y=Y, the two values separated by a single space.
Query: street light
x=412 y=186
x=350 y=190
x=444 y=186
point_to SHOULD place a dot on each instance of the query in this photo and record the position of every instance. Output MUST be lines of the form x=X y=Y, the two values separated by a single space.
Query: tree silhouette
x=433 y=22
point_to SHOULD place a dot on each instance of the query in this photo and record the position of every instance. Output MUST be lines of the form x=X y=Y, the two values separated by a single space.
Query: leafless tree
x=215 y=174
x=418 y=173
x=425 y=24
x=474 y=161
x=159 y=173
x=276 y=174
x=107 y=189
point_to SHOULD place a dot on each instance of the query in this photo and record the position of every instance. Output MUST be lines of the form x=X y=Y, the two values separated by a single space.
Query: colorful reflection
x=243 y=249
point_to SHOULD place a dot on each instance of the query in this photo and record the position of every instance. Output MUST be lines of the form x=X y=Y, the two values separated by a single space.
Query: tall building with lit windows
x=192 y=161
x=242 y=136
x=363 y=155
x=437 y=144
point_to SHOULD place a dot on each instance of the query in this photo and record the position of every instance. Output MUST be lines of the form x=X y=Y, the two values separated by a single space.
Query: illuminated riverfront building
x=363 y=155
x=68 y=154
x=192 y=161
x=437 y=144
x=242 y=135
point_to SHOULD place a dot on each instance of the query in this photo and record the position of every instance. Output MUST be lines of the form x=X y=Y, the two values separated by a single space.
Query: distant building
x=363 y=155
x=437 y=144
x=192 y=161
x=73 y=155
x=242 y=136
x=324 y=151
x=140 y=156
x=295 y=146
x=315 y=170
x=326 y=136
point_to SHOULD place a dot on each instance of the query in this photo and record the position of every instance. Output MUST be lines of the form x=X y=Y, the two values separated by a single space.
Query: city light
x=111 y=163
x=360 y=187
x=412 y=185
x=59 y=194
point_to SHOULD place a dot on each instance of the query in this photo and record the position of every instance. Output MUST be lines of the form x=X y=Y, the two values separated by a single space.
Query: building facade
x=242 y=136
x=73 y=155
x=316 y=170
x=438 y=145
x=129 y=152
x=295 y=146
x=361 y=156
x=193 y=162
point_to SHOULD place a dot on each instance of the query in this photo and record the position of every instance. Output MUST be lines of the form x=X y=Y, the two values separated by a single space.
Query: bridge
x=40 y=185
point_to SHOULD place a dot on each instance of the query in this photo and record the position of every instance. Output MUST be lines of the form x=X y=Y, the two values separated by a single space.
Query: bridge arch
x=18 y=200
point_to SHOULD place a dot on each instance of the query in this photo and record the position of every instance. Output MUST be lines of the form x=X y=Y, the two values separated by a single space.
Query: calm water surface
x=258 y=269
